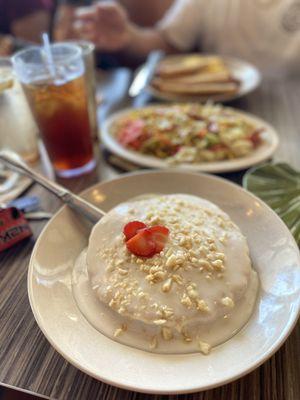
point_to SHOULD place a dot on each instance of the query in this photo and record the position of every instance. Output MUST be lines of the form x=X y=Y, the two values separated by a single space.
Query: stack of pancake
x=194 y=74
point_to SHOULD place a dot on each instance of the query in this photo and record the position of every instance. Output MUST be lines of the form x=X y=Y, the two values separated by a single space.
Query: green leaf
x=278 y=185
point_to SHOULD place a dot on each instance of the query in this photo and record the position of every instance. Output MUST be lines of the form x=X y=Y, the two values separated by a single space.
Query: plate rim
x=271 y=351
x=222 y=166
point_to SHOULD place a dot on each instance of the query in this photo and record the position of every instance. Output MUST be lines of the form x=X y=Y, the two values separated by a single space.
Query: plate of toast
x=203 y=77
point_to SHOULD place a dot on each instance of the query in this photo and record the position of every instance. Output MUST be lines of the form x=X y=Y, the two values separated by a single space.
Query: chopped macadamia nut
x=120 y=330
x=202 y=306
x=166 y=333
x=166 y=287
x=159 y=321
x=228 y=302
x=153 y=343
x=204 y=348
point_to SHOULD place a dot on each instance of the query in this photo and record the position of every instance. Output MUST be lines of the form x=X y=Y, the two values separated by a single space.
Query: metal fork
x=79 y=205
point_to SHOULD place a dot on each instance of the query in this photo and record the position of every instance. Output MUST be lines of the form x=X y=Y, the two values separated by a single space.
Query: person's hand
x=63 y=28
x=104 y=24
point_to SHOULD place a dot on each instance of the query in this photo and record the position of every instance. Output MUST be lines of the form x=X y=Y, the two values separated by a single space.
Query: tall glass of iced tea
x=57 y=95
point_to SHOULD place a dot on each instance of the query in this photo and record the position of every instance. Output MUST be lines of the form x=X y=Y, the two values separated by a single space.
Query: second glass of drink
x=56 y=90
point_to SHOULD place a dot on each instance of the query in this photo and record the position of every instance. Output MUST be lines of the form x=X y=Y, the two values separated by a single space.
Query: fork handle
x=88 y=210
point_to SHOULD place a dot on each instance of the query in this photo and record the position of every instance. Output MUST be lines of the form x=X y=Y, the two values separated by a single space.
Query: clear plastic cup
x=88 y=55
x=58 y=97
x=18 y=131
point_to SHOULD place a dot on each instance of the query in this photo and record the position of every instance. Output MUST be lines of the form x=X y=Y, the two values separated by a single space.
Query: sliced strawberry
x=159 y=235
x=132 y=227
x=142 y=244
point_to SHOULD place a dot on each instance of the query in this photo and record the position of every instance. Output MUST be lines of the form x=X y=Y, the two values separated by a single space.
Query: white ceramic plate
x=274 y=254
x=262 y=153
x=246 y=73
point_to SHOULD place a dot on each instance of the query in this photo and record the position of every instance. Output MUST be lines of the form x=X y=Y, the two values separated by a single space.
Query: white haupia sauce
x=195 y=294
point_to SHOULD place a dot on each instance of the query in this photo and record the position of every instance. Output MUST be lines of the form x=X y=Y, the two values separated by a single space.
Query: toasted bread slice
x=202 y=77
x=199 y=88
x=184 y=65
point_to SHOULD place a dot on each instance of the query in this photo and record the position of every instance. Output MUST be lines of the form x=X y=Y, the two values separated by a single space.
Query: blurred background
x=22 y=22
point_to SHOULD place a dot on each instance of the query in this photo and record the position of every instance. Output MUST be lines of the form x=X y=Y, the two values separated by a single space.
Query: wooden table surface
x=28 y=362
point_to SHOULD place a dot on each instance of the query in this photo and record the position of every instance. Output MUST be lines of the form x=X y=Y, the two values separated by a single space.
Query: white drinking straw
x=49 y=57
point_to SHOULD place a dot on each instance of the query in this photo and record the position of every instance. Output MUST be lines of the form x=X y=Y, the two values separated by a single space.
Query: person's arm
x=146 y=13
x=107 y=25
x=31 y=26
x=142 y=41
x=63 y=22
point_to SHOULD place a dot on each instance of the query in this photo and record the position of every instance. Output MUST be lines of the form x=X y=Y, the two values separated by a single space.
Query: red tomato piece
x=255 y=138
x=218 y=147
x=131 y=134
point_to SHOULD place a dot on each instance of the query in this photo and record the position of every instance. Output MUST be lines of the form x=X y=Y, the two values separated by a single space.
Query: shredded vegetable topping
x=188 y=133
